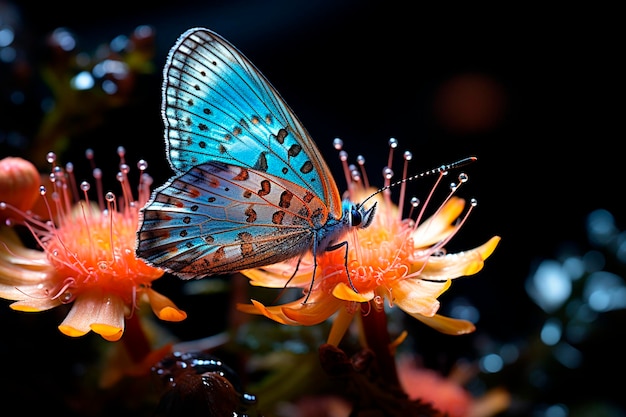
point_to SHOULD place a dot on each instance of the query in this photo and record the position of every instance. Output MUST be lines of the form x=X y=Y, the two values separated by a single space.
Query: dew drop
x=66 y=297
x=393 y=143
x=3 y=205
x=343 y=155
x=110 y=197
x=58 y=172
x=415 y=201
x=463 y=177
x=387 y=173
x=51 y=157
x=142 y=165
x=474 y=202
x=121 y=151
x=42 y=190
x=69 y=167
x=97 y=173
x=124 y=168
x=103 y=266
x=453 y=186
x=120 y=177
x=408 y=155
x=85 y=186
x=89 y=154
x=338 y=144
x=360 y=159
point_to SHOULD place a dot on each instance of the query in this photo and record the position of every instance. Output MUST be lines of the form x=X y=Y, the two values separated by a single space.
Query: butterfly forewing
x=218 y=107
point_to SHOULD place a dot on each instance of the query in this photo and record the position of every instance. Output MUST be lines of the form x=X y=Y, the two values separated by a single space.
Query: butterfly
x=250 y=187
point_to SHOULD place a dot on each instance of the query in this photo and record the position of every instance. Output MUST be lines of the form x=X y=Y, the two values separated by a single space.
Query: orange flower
x=88 y=256
x=401 y=260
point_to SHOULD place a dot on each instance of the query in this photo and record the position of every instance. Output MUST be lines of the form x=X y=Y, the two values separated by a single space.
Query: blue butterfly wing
x=251 y=187
x=218 y=107
x=218 y=218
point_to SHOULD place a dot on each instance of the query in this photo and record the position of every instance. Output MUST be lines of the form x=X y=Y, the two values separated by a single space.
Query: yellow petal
x=344 y=292
x=103 y=314
x=313 y=311
x=164 y=308
x=437 y=227
x=34 y=305
x=455 y=265
x=416 y=296
x=340 y=326
x=447 y=325
x=281 y=274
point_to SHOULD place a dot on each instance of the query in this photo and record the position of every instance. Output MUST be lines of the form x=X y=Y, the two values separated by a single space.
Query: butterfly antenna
x=441 y=169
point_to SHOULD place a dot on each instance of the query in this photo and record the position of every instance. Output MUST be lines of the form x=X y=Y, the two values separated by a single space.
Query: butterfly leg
x=336 y=246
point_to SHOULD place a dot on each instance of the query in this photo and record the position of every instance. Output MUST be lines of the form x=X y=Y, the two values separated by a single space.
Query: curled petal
x=460 y=264
x=447 y=325
x=416 y=296
x=344 y=292
x=274 y=312
x=33 y=305
x=164 y=308
x=281 y=274
x=437 y=227
x=104 y=314
x=313 y=312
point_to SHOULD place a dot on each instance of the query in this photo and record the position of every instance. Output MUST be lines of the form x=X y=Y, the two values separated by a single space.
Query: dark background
x=549 y=153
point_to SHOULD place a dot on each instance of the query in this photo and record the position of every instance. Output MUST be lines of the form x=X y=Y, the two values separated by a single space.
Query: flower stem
x=135 y=340
x=378 y=340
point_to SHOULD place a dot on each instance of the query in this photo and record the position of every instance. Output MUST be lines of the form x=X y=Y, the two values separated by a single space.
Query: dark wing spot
x=242 y=176
x=183 y=233
x=285 y=170
x=188 y=121
x=209 y=239
x=197 y=87
x=306 y=167
x=266 y=188
x=255 y=120
x=285 y=199
x=219 y=255
x=243 y=123
x=237 y=131
x=294 y=150
x=247 y=194
x=194 y=207
x=251 y=215
x=203 y=127
x=277 y=217
x=281 y=135
x=308 y=197
x=202 y=144
x=222 y=149
x=190 y=102
x=207 y=111
x=211 y=199
x=186 y=219
x=246 y=246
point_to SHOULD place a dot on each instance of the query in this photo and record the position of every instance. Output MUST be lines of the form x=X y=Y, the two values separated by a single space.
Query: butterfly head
x=357 y=215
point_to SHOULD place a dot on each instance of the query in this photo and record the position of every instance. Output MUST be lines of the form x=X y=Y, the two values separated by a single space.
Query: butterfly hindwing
x=219 y=218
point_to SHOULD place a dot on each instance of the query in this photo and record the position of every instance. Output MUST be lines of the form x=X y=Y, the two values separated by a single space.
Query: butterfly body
x=250 y=186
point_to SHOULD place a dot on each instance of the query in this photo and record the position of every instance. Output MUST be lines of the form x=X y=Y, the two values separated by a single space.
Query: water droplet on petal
x=338 y=144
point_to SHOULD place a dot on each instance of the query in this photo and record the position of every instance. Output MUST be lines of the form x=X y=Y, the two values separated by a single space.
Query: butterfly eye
x=355 y=216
